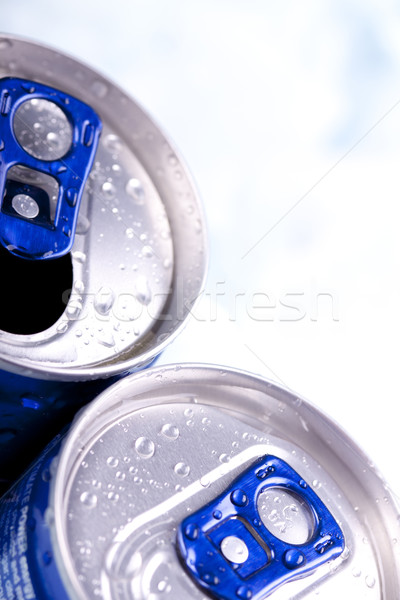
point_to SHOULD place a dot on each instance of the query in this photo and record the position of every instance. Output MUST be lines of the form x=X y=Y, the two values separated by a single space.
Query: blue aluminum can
x=102 y=243
x=196 y=481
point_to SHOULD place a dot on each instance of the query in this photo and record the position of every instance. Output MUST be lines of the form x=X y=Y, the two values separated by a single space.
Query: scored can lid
x=139 y=251
x=193 y=480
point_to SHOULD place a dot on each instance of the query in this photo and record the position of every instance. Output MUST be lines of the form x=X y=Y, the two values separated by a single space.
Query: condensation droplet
x=147 y=251
x=167 y=263
x=104 y=300
x=112 y=142
x=142 y=290
x=145 y=447
x=112 y=462
x=170 y=431
x=79 y=257
x=370 y=581
x=108 y=190
x=5 y=44
x=224 y=458
x=205 y=482
x=182 y=469
x=88 y=499
x=135 y=190
x=113 y=497
x=99 y=88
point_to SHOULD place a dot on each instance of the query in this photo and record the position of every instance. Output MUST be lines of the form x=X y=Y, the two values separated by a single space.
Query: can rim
x=129 y=388
x=144 y=350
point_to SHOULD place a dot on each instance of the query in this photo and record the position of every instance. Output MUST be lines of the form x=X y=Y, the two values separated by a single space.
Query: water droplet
x=112 y=462
x=5 y=44
x=370 y=581
x=120 y=476
x=79 y=286
x=142 y=290
x=99 y=88
x=105 y=338
x=79 y=257
x=112 y=142
x=239 y=498
x=224 y=458
x=113 y=497
x=108 y=190
x=145 y=447
x=88 y=499
x=244 y=593
x=147 y=251
x=129 y=232
x=135 y=190
x=293 y=558
x=116 y=169
x=182 y=469
x=104 y=300
x=74 y=308
x=205 y=481
x=163 y=586
x=170 y=431
x=192 y=531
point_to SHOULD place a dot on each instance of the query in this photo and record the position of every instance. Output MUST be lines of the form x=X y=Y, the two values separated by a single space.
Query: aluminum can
x=196 y=481
x=102 y=241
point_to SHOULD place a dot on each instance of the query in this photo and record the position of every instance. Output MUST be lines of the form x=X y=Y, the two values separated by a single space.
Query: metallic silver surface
x=164 y=442
x=139 y=256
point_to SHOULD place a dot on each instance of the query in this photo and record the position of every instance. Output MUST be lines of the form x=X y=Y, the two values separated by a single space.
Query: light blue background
x=288 y=116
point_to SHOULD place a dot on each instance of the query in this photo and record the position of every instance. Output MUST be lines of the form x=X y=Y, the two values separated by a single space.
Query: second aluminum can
x=196 y=481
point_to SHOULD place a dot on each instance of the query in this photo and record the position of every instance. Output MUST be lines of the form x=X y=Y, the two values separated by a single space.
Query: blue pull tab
x=267 y=528
x=32 y=163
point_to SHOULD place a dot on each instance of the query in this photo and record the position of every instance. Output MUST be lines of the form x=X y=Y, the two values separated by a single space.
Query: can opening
x=30 y=195
x=34 y=292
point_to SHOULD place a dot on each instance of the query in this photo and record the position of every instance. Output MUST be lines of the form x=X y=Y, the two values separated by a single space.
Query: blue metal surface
x=40 y=237
x=271 y=562
x=32 y=412
x=28 y=570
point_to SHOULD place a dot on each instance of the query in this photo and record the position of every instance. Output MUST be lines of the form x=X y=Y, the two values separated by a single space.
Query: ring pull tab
x=48 y=141
x=268 y=528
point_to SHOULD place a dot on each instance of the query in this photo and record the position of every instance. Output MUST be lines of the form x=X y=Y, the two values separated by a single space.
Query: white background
x=288 y=116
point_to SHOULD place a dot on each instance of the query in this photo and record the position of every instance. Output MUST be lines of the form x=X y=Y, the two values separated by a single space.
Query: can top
x=139 y=254
x=199 y=480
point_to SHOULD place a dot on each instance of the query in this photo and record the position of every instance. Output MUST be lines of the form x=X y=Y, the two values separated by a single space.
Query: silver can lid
x=164 y=445
x=139 y=255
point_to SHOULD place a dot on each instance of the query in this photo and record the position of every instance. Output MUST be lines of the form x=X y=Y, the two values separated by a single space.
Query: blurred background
x=288 y=117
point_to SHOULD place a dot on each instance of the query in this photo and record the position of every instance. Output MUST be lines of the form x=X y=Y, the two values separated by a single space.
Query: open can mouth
x=128 y=266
